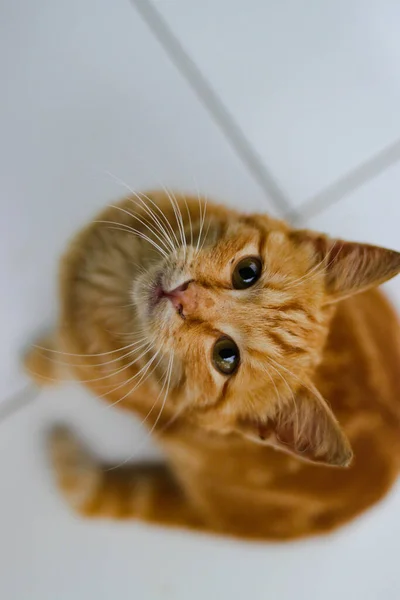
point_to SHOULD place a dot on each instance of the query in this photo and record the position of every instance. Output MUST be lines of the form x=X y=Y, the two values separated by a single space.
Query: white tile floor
x=315 y=86
x=89 y=91
x=89 y=87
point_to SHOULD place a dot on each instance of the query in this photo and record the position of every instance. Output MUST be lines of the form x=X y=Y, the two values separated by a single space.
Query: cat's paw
x=77 y=473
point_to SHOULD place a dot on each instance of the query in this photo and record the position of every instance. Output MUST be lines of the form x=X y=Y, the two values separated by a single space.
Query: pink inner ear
x=350 y=267
x=284 y=438
x=353 y=267
x=309 y=431
x=305 y=449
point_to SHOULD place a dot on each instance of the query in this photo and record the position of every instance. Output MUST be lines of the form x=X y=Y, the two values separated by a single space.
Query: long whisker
x=147 y=345
x=83 y=355
x=316 y=270
x=168 y=380
x=145 y=368
x=184 y=242
x=166 y=383
x=100 y=364
x=143 y=222
x=201 y=222
x=202 y=211
x=297 y=430
x=127 y=228
x=165 y=218
x=205 y=236
x=313 y=392
x=155 y=219
x=175 y=416
x=189 y=219
x=140 y=234
x=273 y=383
x=150 y=211
x=178 y=217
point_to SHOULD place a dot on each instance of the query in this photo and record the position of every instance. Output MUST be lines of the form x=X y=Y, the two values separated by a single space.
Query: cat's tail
x=43 y=362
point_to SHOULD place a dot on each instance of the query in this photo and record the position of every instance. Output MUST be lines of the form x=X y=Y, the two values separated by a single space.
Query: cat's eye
x=246 y=273
x=225 y=356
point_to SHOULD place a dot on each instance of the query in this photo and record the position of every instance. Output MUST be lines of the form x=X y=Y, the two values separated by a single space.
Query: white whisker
x=140 y=234
x=202 y=211
x=295 y=377
x=182 y=226
x=297 y=431
x=156 y=220
x=178 y=218
x=190 y=220
x=83 y=355
x=147 y=346
x=100 y=364
x=166 y=220
x=168 y=380
x=166 y=383
x=205 y=236
x=143 y=222
x=145 y=368
x=148 y=210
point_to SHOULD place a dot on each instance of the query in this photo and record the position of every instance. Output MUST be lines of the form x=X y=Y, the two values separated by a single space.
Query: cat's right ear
x=350 y=267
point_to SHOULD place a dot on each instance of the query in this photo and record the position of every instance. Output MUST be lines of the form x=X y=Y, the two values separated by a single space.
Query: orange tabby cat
x=239 y=342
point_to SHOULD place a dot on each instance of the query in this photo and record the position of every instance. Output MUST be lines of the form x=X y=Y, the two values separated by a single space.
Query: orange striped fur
x=300 y=439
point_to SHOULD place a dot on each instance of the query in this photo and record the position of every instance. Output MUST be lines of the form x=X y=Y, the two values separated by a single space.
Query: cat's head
x=241 y=315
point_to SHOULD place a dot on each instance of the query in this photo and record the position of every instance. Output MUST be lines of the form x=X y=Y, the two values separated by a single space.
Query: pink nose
x=183 y=298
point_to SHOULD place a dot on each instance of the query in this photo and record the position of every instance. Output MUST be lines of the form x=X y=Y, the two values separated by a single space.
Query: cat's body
x=216 y=477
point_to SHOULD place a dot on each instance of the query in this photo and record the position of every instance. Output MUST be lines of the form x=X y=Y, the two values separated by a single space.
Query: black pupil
x=248 y=273
x=228 y=355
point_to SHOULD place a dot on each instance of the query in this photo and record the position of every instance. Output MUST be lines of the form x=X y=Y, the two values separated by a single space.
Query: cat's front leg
x=147 y=492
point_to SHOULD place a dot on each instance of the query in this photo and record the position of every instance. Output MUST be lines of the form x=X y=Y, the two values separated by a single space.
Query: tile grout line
x=18 y=401
x=214 y=105
x=327 y=197
x=350 y=182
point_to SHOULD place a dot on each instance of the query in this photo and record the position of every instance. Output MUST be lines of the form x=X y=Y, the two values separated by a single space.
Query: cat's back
x=360 y=370
x=359 y=378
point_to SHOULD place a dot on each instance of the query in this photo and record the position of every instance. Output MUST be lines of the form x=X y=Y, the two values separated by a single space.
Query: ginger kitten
x=270 y=382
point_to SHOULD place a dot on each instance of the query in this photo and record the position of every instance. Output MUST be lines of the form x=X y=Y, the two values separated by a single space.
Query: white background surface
x=87 y=88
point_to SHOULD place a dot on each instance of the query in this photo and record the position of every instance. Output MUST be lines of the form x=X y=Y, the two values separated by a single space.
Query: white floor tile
x=87 y=89
x=48 y=553
x=315 y=87
x=371 y=214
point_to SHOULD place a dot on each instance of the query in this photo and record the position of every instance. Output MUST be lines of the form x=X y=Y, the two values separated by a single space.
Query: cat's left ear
x=305 y=427
x=350 y=267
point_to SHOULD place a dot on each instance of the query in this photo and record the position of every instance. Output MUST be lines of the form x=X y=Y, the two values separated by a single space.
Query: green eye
x=246 y=273
x=225 y=356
